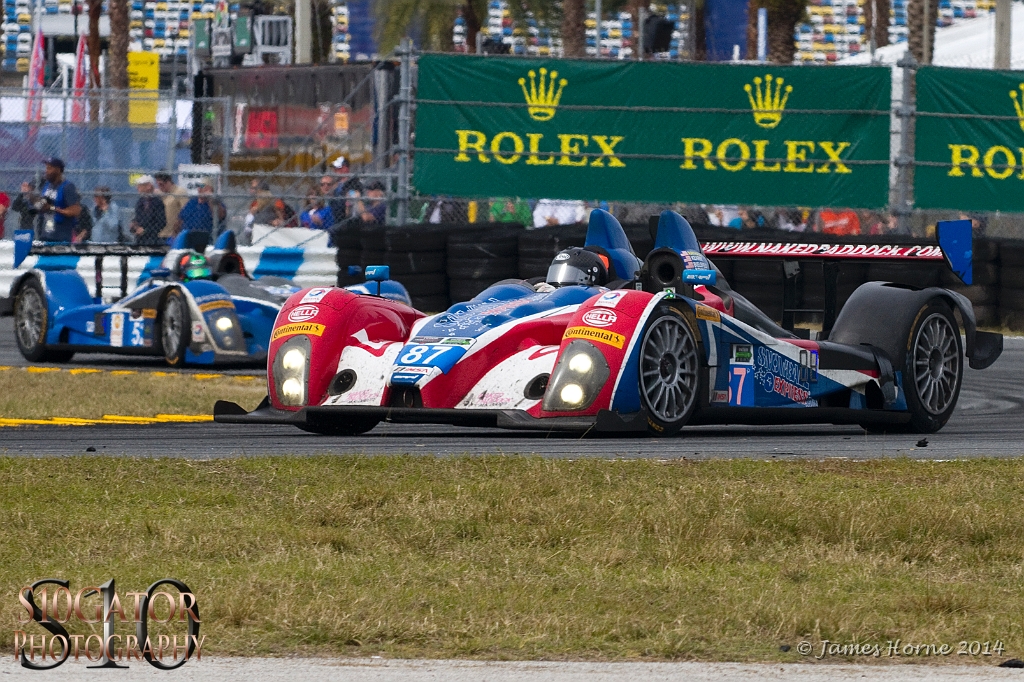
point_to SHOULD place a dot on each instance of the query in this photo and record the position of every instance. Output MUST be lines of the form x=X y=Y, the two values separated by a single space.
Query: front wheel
x=31 y=320
x=175 y=330
x=934 y=368
x=669 y=372
x=352 y=427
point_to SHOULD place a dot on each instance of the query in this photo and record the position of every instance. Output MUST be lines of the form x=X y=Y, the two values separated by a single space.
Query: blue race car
x=184 y=307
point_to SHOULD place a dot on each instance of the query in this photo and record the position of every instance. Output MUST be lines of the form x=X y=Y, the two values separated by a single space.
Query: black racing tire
x=367 y=258
x=921 y=275
x=1011 y=300
x=670 y=371
x=461 y=290
x=493 y=250
x=1012 y=277
x=534 y=267
x=934 y=367
x=430 y=304
x=347 y=257
x=415 y=262
x=416 y=239
x=31 y=323
x=349 y=427
x=482 y=268
x=424 y=285
x=175 y=328
x=757 y=273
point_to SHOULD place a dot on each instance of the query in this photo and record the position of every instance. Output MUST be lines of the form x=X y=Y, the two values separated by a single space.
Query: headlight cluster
x=224 y=326
x=291 y=370
x=580 y=375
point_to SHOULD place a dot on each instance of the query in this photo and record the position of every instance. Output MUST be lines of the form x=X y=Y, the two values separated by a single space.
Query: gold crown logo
x=767 y=106
x=542 y=98
x=1018 y=104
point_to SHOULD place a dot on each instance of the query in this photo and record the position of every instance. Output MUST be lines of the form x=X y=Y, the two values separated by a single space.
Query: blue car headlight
x=579 y=376
x=225 y=328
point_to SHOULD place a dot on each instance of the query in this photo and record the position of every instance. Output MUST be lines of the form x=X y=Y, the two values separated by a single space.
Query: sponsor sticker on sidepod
x=303 y=313
x=611 y=299
x=315 y=295
x=600 y=318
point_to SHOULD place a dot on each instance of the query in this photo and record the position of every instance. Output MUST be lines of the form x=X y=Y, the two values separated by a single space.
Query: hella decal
x=303 y=313
x=600 y=318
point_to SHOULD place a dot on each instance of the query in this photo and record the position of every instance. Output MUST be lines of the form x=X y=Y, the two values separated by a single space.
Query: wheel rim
x=30 y=318
x=171 y=332
x=668 y=369
x=936 y=363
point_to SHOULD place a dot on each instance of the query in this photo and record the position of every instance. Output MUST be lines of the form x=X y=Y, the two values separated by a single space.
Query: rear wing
x=954 y=247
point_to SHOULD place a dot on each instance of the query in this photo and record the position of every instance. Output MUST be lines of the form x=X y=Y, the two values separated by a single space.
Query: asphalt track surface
x=988 y=422
x=380 y=670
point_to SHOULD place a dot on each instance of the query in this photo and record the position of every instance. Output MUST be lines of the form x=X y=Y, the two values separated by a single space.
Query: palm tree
x=574 y=32
x=881 y=27
x=117 y=64
x=433 y=19
x=783 y=16
x=915 y=28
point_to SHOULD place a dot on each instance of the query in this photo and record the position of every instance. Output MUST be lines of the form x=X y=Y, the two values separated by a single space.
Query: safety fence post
x=905 y=112
x=405 y=53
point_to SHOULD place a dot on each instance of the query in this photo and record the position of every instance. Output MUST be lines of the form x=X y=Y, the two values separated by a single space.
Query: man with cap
x=59 y=203
x=150 y=216
x=204 y=212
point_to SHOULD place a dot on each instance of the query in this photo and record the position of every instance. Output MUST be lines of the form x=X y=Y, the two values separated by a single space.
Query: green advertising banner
x=969 y=140
x=649 y=131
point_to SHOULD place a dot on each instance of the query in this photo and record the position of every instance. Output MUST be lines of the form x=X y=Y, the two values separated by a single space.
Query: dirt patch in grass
x=504 y=557
x=41 y=395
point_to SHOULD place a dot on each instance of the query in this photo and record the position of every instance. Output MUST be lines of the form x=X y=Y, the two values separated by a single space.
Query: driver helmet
x=580 y=266
x=193 y=265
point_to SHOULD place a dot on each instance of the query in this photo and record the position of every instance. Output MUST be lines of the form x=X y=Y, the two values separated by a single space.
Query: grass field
x=90 y=394
x=499 y=557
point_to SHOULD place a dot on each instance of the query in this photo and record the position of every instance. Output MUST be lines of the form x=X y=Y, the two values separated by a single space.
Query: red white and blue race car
x=610 y=344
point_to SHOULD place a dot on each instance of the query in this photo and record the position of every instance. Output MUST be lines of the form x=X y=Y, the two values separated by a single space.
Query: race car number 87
x=423 y=355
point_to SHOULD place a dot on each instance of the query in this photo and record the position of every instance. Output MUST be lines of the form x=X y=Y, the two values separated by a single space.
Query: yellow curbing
x=34 y=369
x=110 y=419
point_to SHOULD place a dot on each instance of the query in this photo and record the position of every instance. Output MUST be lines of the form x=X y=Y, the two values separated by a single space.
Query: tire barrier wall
x=475 y=256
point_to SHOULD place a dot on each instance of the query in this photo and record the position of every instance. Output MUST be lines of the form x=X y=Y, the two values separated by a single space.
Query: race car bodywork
x=203 y=322
x=670 y=346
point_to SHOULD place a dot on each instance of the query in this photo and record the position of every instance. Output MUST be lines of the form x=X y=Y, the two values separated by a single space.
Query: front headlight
x=224 y=328
x=225 y=324
x=579 y=376
x=291 y=370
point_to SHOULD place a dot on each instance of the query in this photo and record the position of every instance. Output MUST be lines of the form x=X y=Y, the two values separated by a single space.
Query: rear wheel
x=669 y=372
x=31 y=320
x=175 y=330
x=934 y=368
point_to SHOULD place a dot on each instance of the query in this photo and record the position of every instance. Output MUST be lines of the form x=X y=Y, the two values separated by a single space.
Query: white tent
x=968 y=44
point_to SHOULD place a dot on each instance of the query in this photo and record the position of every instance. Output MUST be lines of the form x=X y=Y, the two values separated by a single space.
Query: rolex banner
x=649 y=131
x=969 y=140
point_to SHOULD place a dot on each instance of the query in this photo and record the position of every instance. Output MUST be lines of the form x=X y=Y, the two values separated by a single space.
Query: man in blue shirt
x=59 y=204
x=198 y=213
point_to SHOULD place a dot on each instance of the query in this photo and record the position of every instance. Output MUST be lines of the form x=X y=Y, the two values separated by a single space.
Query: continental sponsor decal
x=706 y=313
x=297 y=328
x=592 y=334
x=214 y=305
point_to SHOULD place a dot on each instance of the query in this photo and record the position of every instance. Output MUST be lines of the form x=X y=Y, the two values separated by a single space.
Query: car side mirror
x=377 y=273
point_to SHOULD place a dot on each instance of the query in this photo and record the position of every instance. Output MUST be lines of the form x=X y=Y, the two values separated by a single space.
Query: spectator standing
x=150 y=218
x=558 y=212
x=333 y=191
x=203 y=212
x=511 y=211
x=844 y=222
x=284 y=215
x=174 y=198
x=60 y=204
x=375 y=209
x=317 y=215
x=24 y=204
x=793 y=219
x=106 y=219
x=5 y=204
